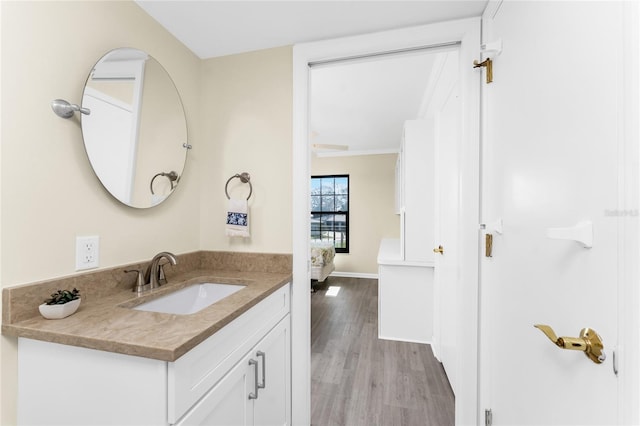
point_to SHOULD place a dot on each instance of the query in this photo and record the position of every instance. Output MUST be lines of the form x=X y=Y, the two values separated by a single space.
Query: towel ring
x=244 y=178
x=172 y=176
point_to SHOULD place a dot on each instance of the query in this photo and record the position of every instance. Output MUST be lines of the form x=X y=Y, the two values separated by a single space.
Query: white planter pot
x=59 y=311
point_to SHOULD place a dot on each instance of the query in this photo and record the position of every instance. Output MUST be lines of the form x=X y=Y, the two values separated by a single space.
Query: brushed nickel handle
x=264 y=369
x=440 y=250
x=254 y=395
x=589 y=342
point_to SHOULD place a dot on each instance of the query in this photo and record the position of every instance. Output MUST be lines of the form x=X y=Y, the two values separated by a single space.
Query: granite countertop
x=108 y=323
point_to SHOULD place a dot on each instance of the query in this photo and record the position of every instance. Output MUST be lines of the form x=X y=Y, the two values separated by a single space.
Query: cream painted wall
x=49 y=194
x=371 y=210
x=247 y=122
x=49 y=191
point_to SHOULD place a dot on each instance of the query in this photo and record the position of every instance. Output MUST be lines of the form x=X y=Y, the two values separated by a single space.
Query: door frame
x=466 y=32
x=629 y=225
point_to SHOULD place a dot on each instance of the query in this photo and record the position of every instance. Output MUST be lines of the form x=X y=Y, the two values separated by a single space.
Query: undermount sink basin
x=190 y=300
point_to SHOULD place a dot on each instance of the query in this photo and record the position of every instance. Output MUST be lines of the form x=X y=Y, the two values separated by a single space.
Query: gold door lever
x=440 y=250
x=589 y=342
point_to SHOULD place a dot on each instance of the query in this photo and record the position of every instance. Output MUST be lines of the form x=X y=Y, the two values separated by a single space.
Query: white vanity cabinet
x=254 y=392
x=209 y=385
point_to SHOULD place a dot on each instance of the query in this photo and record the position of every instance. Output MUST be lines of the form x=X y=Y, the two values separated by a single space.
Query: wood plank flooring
x=357 y=379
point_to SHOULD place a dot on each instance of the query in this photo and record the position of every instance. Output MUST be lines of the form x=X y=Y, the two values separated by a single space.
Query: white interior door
x=551 y=160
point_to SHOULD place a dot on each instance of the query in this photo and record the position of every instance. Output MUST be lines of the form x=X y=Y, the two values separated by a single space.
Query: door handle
x=582 y=232
x=440 y=250
x=257 y=386
x=262 y=355
x=589 y=342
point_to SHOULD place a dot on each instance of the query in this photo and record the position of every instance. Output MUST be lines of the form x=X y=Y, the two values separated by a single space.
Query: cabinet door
x=399 y=200
x=418 y=183
x=227 y=403
x=272 y=405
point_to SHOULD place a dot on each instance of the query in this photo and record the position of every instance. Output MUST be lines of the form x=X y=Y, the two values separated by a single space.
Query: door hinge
x=488 y=245
x=488 y=417
x=488 y=64
x=490 y=50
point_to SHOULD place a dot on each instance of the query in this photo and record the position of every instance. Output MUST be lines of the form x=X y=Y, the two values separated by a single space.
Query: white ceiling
x=360 y=104
x=216 y=28
x=364 y=104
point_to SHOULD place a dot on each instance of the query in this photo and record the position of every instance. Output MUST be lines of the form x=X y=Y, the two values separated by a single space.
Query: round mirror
x=136 y=132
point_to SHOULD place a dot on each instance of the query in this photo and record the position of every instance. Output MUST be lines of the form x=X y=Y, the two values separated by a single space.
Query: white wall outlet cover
x=87 y=252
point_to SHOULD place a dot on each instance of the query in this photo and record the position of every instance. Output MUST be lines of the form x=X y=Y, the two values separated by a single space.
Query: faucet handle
x=140 y=282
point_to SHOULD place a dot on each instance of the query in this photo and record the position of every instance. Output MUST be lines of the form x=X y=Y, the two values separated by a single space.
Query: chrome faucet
x=154 y=276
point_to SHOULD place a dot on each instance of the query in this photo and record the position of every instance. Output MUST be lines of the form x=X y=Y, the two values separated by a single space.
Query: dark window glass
x=330 y=210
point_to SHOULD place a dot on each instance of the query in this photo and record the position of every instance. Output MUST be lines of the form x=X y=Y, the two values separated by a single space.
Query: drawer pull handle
x=254 y=395
x=264 y=369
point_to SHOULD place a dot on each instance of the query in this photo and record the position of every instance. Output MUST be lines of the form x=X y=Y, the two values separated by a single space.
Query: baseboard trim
x=353 y=275
x=399 y=339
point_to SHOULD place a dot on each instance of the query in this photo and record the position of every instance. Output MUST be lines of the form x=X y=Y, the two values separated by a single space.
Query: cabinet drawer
x=197 y=371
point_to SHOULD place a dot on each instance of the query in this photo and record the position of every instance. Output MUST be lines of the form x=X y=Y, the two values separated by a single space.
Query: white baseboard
x=399 y=339
x=353 y=275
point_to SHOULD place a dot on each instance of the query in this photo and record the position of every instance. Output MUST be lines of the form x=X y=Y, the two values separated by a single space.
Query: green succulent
x=61 y=297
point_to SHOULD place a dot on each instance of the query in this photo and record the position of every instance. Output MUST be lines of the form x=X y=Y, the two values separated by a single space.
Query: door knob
x=440 y=250
x=589 y=342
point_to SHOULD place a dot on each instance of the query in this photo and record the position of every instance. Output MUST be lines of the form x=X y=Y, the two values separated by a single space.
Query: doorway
x=358 y=112
x=466 y=33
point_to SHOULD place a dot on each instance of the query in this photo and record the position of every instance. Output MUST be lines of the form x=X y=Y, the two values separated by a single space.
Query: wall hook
x=582 y=232
x=64 y=109
x=488 y=64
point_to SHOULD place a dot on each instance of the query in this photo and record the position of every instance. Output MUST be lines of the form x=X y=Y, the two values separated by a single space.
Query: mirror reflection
x=136 y=134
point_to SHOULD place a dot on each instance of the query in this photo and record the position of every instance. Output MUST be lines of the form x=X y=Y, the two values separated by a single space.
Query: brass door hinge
x=488 y=64
x=488 y=245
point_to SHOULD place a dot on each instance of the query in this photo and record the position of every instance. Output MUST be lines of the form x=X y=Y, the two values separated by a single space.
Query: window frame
x=334 y=212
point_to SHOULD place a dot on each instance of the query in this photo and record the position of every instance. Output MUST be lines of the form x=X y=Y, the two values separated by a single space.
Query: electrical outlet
x=87 y=252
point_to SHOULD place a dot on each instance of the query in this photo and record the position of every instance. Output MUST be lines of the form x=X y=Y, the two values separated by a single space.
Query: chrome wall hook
x=64 y=109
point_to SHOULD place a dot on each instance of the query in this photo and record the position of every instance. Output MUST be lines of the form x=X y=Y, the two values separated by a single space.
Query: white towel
x=237 y=218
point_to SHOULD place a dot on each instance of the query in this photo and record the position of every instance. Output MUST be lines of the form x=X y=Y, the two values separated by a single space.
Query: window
x=330 y=210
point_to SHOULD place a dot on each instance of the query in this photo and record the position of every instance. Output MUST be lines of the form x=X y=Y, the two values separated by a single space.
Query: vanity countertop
x=108 y=323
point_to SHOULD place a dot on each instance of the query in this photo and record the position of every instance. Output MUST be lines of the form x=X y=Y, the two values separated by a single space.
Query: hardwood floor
x=357 y=379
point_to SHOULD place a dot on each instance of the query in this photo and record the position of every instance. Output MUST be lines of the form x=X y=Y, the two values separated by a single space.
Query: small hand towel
x=237 y=218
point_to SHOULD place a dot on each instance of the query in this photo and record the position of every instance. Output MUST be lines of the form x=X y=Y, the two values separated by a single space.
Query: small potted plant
x=61 y=304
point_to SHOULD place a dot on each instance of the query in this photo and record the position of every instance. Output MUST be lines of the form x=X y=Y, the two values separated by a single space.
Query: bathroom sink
x=190 y=300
